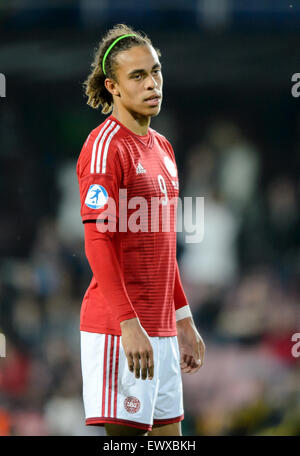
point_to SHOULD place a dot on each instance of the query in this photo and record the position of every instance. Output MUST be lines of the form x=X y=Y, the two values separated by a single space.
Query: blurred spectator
x=69 y=221
x=5 y=422
x=200 y=171
x=270 y=232
x=212 y=261
x=14 y=372
x=239 y=164
x=209 y=267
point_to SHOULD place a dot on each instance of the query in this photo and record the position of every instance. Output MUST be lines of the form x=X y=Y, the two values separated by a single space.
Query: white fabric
x=183 y=312
x=157 y=399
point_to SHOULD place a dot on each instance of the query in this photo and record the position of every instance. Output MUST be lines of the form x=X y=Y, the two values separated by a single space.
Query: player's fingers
x=183 y=365
x=144 y=366
x=195 y=369
x=183 y=361
x=188 y=360
x=136 y=360
x=130 y=362
x=150 y=362
x=189 y=364
x=195 y=365
x=201 y=352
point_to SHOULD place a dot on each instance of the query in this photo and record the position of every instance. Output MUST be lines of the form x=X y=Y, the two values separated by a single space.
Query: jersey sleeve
x=180 y=299
x=107 y=272
x=100 y=176
x=99 y=173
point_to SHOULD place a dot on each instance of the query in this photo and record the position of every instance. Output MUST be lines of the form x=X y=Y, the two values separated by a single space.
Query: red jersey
x=115 y=160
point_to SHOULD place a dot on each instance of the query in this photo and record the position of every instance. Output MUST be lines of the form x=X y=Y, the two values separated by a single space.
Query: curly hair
x=95 y=89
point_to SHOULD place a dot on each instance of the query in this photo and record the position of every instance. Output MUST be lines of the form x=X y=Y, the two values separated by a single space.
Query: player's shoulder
x=163 y=141
x=100 y=148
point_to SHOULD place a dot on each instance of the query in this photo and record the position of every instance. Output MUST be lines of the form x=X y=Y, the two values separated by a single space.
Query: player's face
x=139 y=78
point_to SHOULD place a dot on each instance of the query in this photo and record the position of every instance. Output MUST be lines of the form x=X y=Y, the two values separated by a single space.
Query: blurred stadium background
x=235 y=128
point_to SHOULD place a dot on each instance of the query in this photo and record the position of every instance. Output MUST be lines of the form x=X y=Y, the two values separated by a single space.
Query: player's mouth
x=153 y=100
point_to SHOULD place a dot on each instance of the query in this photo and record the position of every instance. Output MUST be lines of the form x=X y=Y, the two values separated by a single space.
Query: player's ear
x=111 y=86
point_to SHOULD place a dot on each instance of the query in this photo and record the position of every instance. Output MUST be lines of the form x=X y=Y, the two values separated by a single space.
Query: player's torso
x=150 y=173
x=149 y=244
x=145 y=240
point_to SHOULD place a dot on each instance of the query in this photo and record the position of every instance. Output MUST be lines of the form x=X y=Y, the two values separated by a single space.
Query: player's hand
x=137 y=348
x=191 y=346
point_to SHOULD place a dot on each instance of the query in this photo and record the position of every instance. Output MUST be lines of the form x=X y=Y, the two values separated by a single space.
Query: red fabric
x=180 y=299
x=281 y=345
x=102 y=420
x=14 y=373
x=169 y=420
x=116 y=305
x=133 y=272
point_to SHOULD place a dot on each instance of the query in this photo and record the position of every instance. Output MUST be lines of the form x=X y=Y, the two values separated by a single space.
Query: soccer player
x=137 y=331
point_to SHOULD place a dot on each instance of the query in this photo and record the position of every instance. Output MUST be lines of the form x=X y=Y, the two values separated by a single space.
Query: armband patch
x=96 y=197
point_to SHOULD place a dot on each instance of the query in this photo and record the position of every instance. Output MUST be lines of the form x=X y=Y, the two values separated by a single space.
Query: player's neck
x=139 y=126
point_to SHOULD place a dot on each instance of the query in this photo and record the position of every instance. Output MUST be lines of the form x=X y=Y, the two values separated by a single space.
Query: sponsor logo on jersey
x=140 y=169
x=170 y=166
x=96 y=197
x=132 y=404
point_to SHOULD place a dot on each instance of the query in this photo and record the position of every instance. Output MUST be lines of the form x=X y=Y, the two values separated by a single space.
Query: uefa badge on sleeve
x=96 y=197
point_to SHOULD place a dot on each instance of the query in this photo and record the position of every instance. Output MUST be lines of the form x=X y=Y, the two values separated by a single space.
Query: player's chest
x=152 y=173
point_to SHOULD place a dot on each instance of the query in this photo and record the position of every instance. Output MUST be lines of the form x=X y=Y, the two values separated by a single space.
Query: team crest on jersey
x=170 y=166
x=132 y=404
x=96 y=197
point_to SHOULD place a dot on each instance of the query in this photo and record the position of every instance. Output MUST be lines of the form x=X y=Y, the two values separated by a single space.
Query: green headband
x=108 y=50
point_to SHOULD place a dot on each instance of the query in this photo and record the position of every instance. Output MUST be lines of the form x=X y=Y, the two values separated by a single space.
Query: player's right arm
x=108 y=274
x=99 y=167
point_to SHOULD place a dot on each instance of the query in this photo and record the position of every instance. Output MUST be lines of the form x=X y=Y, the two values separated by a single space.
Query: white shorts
x=112 y=394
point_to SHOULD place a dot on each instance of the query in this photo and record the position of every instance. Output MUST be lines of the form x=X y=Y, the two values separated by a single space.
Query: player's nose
x=150 y=82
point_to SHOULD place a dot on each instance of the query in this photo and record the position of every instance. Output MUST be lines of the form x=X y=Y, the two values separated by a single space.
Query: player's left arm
x=191 y=345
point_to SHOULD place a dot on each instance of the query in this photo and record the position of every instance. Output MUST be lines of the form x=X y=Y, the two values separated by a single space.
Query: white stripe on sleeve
x=106 y=148
x=101 y=145
x=95 y=145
